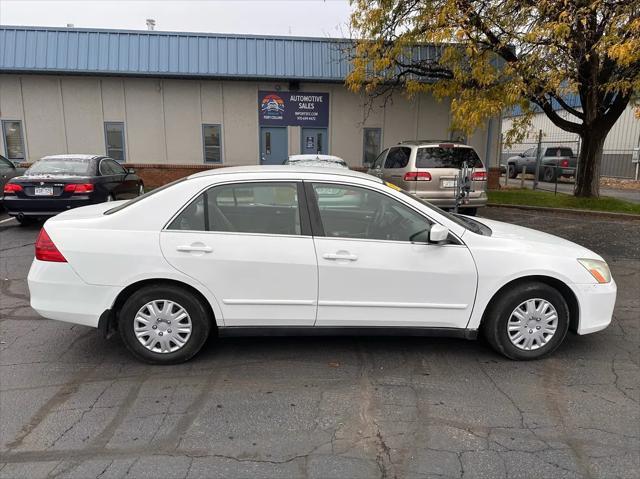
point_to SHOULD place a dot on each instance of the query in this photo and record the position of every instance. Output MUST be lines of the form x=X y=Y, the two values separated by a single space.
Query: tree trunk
x=588 y=176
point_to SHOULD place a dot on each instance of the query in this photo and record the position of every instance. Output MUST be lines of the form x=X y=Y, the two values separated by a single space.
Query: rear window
x=62 y=166
x=437 y=157
x=559 y=152
x=398 y=157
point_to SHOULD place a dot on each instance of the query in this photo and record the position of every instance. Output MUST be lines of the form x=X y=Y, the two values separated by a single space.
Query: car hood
x=535 y=240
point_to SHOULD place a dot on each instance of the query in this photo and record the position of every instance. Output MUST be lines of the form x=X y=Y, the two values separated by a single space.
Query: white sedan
x=273 y=250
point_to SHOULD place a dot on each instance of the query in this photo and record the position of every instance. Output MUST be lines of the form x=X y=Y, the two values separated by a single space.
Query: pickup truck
x=557 y=161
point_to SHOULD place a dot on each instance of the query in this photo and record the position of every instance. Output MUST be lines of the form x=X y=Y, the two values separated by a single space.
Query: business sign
x=293 y=108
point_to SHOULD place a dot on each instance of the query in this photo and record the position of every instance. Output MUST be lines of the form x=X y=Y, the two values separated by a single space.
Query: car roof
x=268 y=170
x=315 y=157
x=71 y=157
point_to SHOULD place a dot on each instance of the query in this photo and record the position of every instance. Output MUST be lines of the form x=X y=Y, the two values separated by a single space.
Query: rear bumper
x=43 y=206
x=476 y=200
x=596 y=305
x=57 y=292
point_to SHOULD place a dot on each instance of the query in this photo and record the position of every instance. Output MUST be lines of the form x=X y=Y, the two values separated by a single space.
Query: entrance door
x=314 y=141
x=273 y=145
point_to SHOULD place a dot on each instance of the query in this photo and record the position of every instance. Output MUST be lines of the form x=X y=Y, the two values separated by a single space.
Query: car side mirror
x=131 y=171
x=438 y=233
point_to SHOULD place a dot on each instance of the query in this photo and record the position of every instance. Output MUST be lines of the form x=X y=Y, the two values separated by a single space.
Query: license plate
x=44 y=191
x=448 y=183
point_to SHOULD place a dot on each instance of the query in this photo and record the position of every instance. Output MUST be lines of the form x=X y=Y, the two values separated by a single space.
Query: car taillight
x=46 y=250
x=417 y=176
x=479 y=176
x=79 y=187
x=564 y=163
x=12 y=188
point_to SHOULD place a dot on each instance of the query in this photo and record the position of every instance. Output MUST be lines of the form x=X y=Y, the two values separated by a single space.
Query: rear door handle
x=201 y=248
x=340 y=256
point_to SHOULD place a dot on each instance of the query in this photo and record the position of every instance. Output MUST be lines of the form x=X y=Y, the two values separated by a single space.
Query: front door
x=248 y=243
x=314 y=141
x=376 y=269
x=273 y=145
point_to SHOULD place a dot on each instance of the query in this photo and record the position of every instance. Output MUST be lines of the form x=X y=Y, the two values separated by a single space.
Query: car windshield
x=447 y=157
x=142 y=197
x=61 y=166
x=465 y=222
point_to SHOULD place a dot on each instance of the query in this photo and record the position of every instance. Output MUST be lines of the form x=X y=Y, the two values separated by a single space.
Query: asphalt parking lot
x=75 y=405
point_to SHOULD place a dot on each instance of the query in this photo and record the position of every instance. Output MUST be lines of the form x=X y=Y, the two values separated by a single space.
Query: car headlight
x=598 y=269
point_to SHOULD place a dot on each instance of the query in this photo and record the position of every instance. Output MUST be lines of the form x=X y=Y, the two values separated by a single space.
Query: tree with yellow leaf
x=493 y=55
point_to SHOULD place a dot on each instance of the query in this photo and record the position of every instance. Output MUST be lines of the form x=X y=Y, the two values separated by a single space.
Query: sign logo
x=272 y=104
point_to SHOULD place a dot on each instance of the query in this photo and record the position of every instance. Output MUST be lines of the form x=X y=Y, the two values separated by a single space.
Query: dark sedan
x=58 y=183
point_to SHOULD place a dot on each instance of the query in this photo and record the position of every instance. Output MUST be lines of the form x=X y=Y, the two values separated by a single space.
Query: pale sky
x=316 y=18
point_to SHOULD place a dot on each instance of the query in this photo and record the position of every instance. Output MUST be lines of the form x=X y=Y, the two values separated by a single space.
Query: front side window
x=114 y=139
x=372 y=144
x=379 y=160
x=267 y=208
x=361 y=213
x=398 y=157
x=211 y=143
x=13 y=139
x=110 y=167
x=437 y=157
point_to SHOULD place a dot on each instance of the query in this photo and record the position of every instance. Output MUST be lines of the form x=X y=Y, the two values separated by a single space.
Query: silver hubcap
x=141 y=190
x=532 y=324
x=162 y=326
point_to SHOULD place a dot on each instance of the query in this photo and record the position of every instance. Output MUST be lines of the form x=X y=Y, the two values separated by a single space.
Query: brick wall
x=154 y=175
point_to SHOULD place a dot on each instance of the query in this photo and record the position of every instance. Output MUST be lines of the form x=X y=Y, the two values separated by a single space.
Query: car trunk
x=48 y=186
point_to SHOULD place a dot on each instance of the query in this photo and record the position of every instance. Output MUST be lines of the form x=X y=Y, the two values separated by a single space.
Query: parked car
x=557 y=161
x=329 y=161
x=58 y=183
x=8 y=170
x=429 y=169
x=254 y=250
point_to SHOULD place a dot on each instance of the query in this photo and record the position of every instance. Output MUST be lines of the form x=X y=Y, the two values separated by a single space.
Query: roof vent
x=151 y=24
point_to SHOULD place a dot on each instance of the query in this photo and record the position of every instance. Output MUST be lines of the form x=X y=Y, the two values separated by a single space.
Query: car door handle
x=339 y=256
x=195 y=247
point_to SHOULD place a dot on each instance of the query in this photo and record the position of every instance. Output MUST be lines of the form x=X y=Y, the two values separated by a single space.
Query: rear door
x=128 y=182
x=250 y=243
x=396 y=164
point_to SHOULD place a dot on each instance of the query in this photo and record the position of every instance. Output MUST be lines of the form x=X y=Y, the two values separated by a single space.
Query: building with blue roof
x=191 y=98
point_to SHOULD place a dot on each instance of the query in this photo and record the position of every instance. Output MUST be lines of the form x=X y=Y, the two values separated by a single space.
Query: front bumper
x=43 y=206
x=57 y=292
x=596 y=303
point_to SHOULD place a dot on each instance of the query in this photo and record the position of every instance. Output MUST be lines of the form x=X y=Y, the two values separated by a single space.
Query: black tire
x=549 y=174
x=24 y=221
x=497 y=316
x=511 y=171
x=200 y=323
x=469 y=211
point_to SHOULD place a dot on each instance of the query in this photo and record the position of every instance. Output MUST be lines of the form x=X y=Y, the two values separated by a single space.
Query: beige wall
x=163 y=117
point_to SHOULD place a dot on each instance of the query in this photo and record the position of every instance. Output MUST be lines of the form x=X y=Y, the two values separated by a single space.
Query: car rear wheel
x=110 y=197
x=141 y=190
x=549 y=174
x=527 y=322
x=164 y=324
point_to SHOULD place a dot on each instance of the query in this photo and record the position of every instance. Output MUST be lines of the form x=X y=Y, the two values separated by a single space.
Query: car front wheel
x=512 y=171
x=527 y=322
x=164 y=324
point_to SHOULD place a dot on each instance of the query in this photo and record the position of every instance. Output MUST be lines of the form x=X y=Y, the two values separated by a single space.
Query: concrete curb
x=602 y=214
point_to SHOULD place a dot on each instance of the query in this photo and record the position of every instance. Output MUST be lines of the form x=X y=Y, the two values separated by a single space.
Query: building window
x=13 y=139
x=372 y=145
x=212 y=144
x=114 y=139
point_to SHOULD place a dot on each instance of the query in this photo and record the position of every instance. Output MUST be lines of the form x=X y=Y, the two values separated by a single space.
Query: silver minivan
x=430 y=171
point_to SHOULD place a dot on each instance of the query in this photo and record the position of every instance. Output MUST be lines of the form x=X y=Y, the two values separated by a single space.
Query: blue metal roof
x=572 y=99
x=169 y=54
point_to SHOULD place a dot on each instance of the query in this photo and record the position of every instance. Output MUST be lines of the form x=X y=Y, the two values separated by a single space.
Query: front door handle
x=200 y=248
x=340 y=255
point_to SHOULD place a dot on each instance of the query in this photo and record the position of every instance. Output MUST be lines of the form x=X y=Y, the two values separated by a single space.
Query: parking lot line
x=5 y=220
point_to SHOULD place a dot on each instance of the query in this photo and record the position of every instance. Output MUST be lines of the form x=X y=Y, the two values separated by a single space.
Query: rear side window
x=559 y=152
x=398 y=157
x=436 y=157
x=267 y=208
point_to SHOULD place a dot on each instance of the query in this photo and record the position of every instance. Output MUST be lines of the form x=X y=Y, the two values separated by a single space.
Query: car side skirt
x=235 y=331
